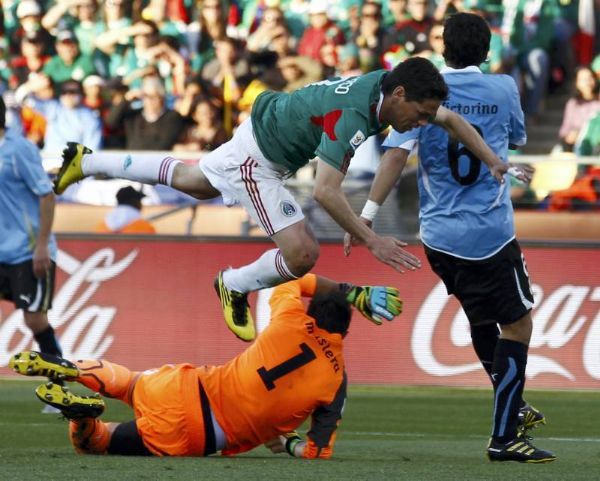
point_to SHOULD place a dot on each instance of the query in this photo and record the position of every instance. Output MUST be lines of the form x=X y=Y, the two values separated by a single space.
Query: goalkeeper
x=294 y=369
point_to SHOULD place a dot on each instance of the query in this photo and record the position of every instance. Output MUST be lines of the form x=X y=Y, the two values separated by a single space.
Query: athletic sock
x=47 y=341
x=89 y=436
x=107 y=378
x=508 y=376
x=145 y=168
x=485 y=338
x=267 y=271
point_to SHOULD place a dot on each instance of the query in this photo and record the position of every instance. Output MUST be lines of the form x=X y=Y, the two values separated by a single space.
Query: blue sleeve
x=397 y=139
x=31 y=170
x=517 y=134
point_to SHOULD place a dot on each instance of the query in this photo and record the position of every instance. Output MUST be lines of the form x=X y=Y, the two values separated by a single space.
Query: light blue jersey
x=464 y=211
x=22 y=182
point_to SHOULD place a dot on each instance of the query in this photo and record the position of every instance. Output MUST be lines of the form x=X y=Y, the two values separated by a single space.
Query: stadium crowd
x=182 y=74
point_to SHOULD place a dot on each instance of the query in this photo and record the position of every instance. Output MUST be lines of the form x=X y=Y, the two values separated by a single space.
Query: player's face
x=409 y=114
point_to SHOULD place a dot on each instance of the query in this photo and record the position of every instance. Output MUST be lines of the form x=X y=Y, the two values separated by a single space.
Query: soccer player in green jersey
x=327 y=120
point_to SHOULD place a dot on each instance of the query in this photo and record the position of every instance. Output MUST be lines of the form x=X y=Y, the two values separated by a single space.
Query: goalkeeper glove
x=376 y=303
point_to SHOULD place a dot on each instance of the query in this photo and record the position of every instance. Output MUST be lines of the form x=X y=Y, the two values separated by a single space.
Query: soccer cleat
x=70 y=170
x=519 y=449
x=33 y=363
x=236 y=310
x=529 y=418
x=72 y=406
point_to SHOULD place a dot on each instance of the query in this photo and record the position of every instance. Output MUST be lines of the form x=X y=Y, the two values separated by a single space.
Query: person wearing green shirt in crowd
x=328 y=120
x=70 y=63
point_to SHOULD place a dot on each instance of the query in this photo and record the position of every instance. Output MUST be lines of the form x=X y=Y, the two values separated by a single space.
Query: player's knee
x=520 y=330
x=303 y=259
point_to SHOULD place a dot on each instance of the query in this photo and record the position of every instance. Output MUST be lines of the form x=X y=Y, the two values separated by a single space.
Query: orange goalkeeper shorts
x=168 y=411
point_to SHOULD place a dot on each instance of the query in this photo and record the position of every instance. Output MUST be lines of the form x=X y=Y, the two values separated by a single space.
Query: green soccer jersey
x=328 y=119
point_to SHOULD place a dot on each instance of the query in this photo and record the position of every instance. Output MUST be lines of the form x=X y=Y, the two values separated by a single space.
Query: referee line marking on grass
x=454 y=436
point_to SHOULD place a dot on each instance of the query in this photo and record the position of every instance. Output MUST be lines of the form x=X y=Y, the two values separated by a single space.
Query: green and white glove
x=376 y=303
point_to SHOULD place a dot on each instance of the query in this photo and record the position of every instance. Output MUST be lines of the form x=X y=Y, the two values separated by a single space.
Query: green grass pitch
x=414 y=434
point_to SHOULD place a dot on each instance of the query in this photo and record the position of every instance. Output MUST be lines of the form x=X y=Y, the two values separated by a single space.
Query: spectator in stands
x=164 y=59
x=206 y=131
x=529 y=27
x=157 y=11
x=29 y=15
x=436 y=39
x=126 y=217
x=588 y=142
x=399 y=13
x=212 y=27
x=69 y=63
x=411 y=34
x=271 y=24
x=154 y=126
x=228 y=71
x=79 y=16
x=580 y=108
x=68 y=120
x=32 y=59
x=321 y=30
x=299 y=71
x=124 y=57
x=369 y=38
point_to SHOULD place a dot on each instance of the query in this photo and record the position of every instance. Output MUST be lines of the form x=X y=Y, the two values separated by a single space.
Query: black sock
x=508 y=376
x=48 y=342
x=485 y=337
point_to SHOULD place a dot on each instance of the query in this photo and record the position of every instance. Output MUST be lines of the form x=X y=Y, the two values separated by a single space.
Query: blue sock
x=508 y=376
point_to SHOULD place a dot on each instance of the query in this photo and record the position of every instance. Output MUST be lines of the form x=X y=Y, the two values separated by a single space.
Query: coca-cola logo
x=84 y=324
x=556 y=322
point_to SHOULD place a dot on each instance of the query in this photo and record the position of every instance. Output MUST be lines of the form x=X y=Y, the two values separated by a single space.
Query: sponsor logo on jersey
x=358 y=139
x=287 y=208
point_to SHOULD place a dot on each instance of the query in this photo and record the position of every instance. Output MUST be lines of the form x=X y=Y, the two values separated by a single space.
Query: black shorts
x=495 y=289
x=19 y=285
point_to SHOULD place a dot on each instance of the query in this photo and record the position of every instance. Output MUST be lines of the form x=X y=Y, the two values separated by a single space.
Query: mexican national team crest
x=287 y=208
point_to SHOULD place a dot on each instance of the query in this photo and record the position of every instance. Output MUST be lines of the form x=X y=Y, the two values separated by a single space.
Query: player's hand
x=522 y=172
x=41 y=261
x=350 y=240
x=376 y=303
x=284 y=443
x=390 y=251
x=498 y=170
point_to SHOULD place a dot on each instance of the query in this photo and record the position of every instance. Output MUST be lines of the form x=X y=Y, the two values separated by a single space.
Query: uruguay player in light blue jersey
x=467 y=226
x=27 y=246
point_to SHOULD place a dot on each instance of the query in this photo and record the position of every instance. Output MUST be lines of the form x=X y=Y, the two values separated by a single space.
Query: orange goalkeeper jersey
x=293 y=369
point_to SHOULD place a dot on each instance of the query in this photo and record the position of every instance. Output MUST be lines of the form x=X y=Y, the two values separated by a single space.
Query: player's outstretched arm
x=459 y=128
x=388 y=172
x=328 y=192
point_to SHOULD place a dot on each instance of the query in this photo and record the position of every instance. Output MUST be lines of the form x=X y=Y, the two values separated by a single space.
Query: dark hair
x=331 y=311
x=466 y=40
x=2 y=113
x=420 y=79
x=576 y=93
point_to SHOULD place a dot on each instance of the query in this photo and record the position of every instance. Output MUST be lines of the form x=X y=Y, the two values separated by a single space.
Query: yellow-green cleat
x=33 y=363
x=236 y=310
x=72 y=406
x=70 y=170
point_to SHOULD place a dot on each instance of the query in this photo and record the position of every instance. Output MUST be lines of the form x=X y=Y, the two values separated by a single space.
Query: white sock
x=145 y=168
x=267 y=271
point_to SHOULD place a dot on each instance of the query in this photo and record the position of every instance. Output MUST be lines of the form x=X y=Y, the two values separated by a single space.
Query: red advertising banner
x=147 y=302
